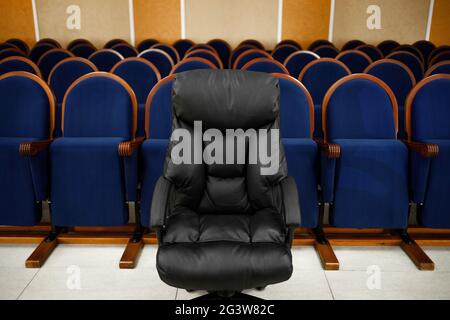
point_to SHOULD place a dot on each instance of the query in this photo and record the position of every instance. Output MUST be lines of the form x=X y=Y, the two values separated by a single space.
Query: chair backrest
x=296 y=108
x=425 y=47
x=319 y=43
x=356 y=61
x=387 y=46
x=126 y=50
x=298 y=60
x=282 y=52
x=11 y=64
x=257 y=44
x=319 y=75
x=146 y=44
x=22 y=45
x=290 y=42
x=411 y=49
x=113 y=42
x=182 y=46
x=428 y=109
x=266 y=65
x=352 y=44
x=159 y=59
x=28 y=107
x=192 y=63
x=167 y=48
x=6 y=45
x=77 y=42
x=140 y=74
x=373 y=52
x=66 y=72
x=50 y=59
x=223 y=49
x=396 y=75
x=440 y=57
x=411 y=60
x=202 y=46
x=53 y=42
x=38 y=50
x=206 y=54
x=441 y=67
x=105 y=59
x=6 y=53
x=99 y=104
x=326 y=51
x=359 y=106
x=437 y=51
x=237 y=52
x=83 y=50
x=221 y=100
x=249 y=55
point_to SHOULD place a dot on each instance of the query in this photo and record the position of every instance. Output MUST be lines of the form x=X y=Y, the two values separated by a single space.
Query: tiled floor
x=91 y=272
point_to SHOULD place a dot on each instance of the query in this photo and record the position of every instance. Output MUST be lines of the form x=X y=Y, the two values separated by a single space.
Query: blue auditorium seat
x=297 y=61
x=50 y=59
x=77 y=42
x=356 y=61
x=182 y=46
x=167 y=48
x=283 y=51
x=441 y=67
x=5 y=45
x=237 y=52
x=61 y=77
x=411 y=49
x=267 y=65
x=146 y=44
x=428 y=126
x=142 y=76
x=425 y=47
x=105 y=59
x=6 y=53
x=248 y=56
x=22 y=45
x=410 y=60
x=290 y=42
x=364 y=173
x=319 y=43
x=443 y=56
x=352 y=44
x=113 y=42
x=373 y=52
x=206 y=54
x=83 y=50
x=11 y=64
x=223 y=49
x=257 y=44
x=159 y=59
x=192 y=63
x=387 y=46
x=26 y=127
x=326 y=51
x=126 y=50
x=50 y=41
x=437 y=51
x=318 y=76
x=38 y=50
x=94 y=164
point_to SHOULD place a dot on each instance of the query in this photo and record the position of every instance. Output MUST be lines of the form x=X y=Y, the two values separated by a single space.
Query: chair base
x=226 y=295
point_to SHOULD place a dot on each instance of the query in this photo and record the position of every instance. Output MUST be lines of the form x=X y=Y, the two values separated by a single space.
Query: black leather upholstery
x=225 y=227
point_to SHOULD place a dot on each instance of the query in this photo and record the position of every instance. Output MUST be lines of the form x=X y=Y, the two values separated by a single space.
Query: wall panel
x=440 y=27
x=16 y=20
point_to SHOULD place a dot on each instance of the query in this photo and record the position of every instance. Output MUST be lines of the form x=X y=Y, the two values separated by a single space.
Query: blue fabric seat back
x=223 y=50
x=267 y=65
x=326 y=51
x=100 y=105
x=237 y=52
x=297 y=61
x=159 y=59
x=373 y=52
x=442 y=67
x=182 y=46
x=411 y=49
x=38 y=50
x=146 y=44
x=193 y=63
x=443 y=56
x=356 y=61
x=6 y=53
x=171 y=51
x=105 y=59
x=18 y=64
x=425 y=47
x=352 y=44
x=126 y=50
x=412 y=61
x=113 y=42
x=282 y=52
x=50 y=59
x=205 y=54
x=387 y=46
x=248 y=56
x=319 y=43
x=83 y=50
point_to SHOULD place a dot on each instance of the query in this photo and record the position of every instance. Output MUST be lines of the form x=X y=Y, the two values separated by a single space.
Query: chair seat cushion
x=217 y=266
x=371 y=184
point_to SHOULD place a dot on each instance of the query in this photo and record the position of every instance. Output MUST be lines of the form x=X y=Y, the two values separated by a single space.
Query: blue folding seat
x=425 y=47
x=167 y=48
x=202 y=46
x=113 y=42
x=257 y=44
x=443 y=56
x=50 y=41
x=192 y=63
x=364 y=168
x=400 y=79
x=428 y=126
x=283 y=51
x=5 y=45
x=105 y=59
x=146 y=44
x=83 y=50
x=411 y=49
x=206 y=54
x=356 y=61
x=26 y=127
x=290 y=42
x=267 y=65
x=237 y=52
x=18 y=64
x=326 y=51
x=94 y=164
x=22 y=45
x=38 y=50
x=126 y=50
x=319 y=43
x=248 y=56
x=142 y=76
x=77 y=42
x=297 y=127
x=441 y=67
x=6 y=53
x=297 y=61
x=182 y=46
x=410 y=60
x=318 y=76
x=387 y=46
x=373 y=52
x=159 y=59
x=352 y=44
x=50 y=59
x=61 y=77
x=437 y=51
x=223 y=49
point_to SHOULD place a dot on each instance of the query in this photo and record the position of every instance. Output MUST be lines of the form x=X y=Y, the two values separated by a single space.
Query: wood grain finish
x=131 y=254
x=440 y=26
x=17 y=21
x=41 y=253
x=327 y=256
x=418 y=256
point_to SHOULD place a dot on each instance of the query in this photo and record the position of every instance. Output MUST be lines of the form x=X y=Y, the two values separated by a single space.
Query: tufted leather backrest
x=224 y=100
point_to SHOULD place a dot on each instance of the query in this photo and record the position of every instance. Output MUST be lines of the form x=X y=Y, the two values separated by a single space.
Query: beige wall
x=101 y=20
x=16 y=20
x=232 y=20
x=401 y=20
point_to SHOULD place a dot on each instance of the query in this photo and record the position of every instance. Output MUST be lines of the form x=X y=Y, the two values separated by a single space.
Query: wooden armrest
x=331 y=150
x=426 y=150
x=33 y=148
x=127 y=148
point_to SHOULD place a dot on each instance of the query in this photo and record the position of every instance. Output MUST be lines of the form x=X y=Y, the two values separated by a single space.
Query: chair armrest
x=33 y=148
x=331 y=150
x=127 y=148
x=290 y=202
x=159 y=203
x=426 y=150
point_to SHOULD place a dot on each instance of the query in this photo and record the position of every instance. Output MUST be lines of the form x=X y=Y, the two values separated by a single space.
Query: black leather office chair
x=225 y=228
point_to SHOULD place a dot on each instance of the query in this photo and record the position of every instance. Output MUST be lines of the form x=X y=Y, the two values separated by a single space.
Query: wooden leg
x=417 y=255
x=326 y=255
x=41 y=253
x=131 y=254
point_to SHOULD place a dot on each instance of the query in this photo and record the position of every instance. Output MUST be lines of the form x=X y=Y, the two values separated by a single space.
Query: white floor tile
x=147 y=258
x=184 y=295
x=440 y=257
x=306 y=258
x=13 y=280
x=15 y=255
